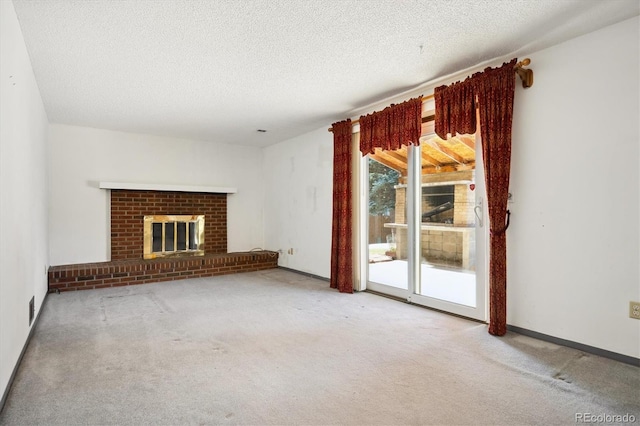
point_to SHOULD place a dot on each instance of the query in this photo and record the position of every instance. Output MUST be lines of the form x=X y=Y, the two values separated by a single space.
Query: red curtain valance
x=455 y=108
x=394 y=126
x=456 y=104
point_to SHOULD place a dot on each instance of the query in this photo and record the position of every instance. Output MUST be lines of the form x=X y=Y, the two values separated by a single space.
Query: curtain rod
x=526 y=75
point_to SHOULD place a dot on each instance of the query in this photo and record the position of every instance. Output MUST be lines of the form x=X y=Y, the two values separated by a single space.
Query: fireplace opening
x=438 y=204
x=173 y=235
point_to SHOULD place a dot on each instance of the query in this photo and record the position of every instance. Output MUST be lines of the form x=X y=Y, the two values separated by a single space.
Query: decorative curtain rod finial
x=526 y=75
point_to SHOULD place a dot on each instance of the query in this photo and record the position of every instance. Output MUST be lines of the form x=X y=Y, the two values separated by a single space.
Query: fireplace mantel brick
x=128 y=209
x=137 y=271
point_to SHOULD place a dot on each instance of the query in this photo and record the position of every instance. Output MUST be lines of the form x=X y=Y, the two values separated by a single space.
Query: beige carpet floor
x=276 y=347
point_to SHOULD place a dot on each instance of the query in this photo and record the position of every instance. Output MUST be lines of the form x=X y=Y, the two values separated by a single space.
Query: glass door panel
x=447 y=202
x=387 y=224
x=447 y=238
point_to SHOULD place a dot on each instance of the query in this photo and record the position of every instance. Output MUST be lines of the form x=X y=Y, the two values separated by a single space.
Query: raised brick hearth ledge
x=130 y=272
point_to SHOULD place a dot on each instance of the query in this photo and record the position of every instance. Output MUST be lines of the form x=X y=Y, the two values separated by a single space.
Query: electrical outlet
x=634 y=310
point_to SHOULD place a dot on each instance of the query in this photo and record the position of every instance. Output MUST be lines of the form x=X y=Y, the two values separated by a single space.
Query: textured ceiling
x=218 y=70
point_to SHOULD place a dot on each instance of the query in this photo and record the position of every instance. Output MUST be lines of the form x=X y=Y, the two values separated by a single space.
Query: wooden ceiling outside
x=437 y=155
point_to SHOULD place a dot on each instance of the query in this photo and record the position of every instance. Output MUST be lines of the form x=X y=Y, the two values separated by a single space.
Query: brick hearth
x=130 y=272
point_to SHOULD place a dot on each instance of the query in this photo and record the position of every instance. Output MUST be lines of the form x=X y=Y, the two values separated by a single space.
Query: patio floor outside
x=439 y=282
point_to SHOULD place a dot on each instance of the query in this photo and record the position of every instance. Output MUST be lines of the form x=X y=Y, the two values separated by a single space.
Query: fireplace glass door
x=173 y=235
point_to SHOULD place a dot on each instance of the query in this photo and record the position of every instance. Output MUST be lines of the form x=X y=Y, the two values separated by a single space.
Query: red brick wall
x=128 y=209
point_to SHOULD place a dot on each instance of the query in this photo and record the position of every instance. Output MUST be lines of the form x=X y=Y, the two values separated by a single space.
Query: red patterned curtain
x=394 y=126
x=341 y=238
x=492 y=91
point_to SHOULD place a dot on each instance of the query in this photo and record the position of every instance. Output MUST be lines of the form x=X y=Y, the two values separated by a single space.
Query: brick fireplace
x=128 y=266
x=128 y=209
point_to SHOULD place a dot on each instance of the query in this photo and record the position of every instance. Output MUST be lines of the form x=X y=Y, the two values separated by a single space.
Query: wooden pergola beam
x=449 y=153
x=400 y=158
x=471 y=143
x=429 y=159
x=448 y=168
x=391 y=163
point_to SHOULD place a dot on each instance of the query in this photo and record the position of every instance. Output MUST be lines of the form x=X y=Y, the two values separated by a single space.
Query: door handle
x=477 y=208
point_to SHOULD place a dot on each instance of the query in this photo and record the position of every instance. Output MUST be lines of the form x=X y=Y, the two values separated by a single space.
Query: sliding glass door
x=426 y=241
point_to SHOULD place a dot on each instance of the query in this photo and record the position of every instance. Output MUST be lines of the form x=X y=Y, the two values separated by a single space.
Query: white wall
x=81 y=157
x=573 y=242
x=298 y=179
x=23 y=193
